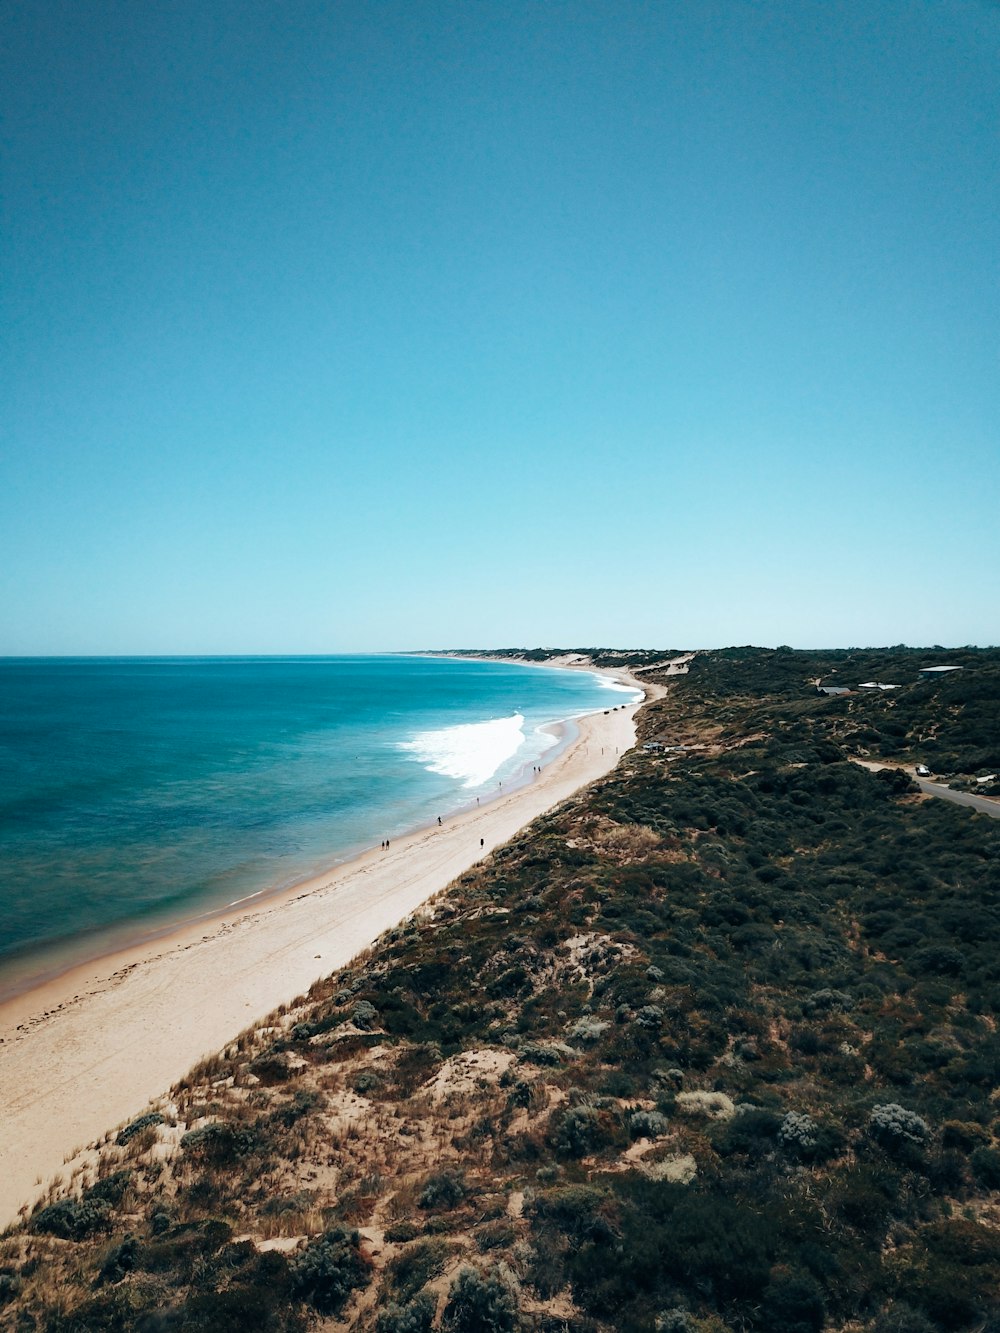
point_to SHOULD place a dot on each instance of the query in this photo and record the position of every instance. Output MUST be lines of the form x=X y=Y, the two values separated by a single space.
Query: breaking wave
x=471 y=752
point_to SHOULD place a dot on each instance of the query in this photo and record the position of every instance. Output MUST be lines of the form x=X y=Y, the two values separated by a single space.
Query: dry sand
x=90 y=1049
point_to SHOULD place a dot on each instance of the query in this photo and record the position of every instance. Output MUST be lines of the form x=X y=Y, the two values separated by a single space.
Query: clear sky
x=343 y=326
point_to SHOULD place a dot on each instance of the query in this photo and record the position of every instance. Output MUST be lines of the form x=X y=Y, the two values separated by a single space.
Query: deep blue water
x=134 y=792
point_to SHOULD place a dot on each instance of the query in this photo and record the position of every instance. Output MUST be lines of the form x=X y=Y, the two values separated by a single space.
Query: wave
x=608 y=683
x=471 y=752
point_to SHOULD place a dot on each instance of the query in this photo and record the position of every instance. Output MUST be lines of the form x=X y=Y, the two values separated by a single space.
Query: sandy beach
x=90 y=1049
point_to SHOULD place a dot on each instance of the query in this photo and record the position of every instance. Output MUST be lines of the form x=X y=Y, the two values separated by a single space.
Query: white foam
x=471 y=752
x=610 y=684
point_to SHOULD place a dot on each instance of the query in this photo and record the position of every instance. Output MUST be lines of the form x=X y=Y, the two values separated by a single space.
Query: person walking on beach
x=439 y=819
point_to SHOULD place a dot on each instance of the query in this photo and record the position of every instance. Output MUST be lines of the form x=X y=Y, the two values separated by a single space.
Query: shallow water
x=138 y=792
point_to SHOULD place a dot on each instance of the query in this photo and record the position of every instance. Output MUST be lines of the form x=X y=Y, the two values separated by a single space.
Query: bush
x=647 y=1124
x=580 y=1130
x=893 y=1126
x=674 y=1321
x=70 y=1219
x=111 y=1189
x=650 y=1017
x=902 y=1318
x=368 y=1080
x=329 y=1269
x=480 y=1304
x=577 y=1211
x=120 y=1259
x=985 y=1163
x=589 y=1028
x=802 y=1137
x=271 y=1067
x=221 y=1144
x=751 y=1131
x=545 y=1053
x=10 y=1286
x=364 y=1016
x=415 y=1317
x=137 y=1126
x=414 y=1268
x=443 y=1189
x=401 y=1231
x=827 y=1001
x=794 y=1305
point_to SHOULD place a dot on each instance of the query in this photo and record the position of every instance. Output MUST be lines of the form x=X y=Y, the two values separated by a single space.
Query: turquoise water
x=139 y=792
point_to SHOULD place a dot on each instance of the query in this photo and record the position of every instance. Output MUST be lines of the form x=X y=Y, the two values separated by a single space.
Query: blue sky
x=331 y=327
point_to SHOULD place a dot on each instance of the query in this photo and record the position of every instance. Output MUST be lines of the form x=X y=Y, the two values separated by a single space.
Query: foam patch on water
x=609 y=684
x=472 y=752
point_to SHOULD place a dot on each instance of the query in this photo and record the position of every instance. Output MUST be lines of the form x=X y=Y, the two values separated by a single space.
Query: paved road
x=984 y=804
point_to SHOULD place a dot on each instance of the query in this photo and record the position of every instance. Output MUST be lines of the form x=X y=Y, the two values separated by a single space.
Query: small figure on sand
x=482 y=842
x=439 y=819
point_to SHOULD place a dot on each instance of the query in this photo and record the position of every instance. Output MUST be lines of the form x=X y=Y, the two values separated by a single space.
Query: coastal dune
x=90 y=1049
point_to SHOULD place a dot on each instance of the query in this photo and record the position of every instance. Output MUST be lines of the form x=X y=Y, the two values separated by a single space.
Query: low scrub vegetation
x=713 y=1047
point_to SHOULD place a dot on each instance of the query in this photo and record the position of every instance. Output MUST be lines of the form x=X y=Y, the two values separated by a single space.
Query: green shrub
x=272 y=1067
x=414 y=1268
x=70 y=1219
x=794 y=1304
x=494 y=1235
x=120 y=1259
x=579 y=1211
x=650 y=1017
x=674 y=1321
x=647 y=1124
x=893 y=1126
x=902 y=1318
x=804 y=1138
x=751 y=1132
x=580 y=1130
x=137 y=1126
x=111 y=1189
x=402 y=1231
x=442 y=1189
x=985 y=1163
x=10 y=1286
x=222 y=1144
x=329 y=1269
x=364 y=1016
x=479 y=1303
x=415 y=1317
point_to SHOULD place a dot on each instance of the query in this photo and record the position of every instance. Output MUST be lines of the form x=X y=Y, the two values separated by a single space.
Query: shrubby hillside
x=713 y=1047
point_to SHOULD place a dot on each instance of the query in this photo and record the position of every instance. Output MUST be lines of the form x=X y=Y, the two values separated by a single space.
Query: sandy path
x=90 y=1049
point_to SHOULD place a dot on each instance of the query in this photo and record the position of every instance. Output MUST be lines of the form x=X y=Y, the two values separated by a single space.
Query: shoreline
x=77 y=1052
x=64 y=957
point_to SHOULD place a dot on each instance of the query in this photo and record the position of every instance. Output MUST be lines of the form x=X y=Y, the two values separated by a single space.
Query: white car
x=923 y=771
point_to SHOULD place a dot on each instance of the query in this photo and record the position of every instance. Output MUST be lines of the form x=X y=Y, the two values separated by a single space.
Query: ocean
x=138 y=793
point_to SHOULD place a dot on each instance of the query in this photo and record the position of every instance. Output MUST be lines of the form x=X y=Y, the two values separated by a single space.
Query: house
x=876 y=685
x=939 y=670
x=833 y=689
